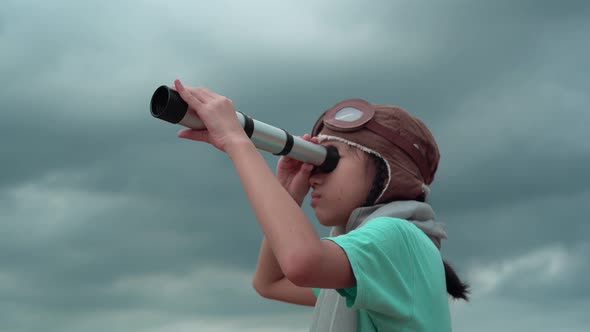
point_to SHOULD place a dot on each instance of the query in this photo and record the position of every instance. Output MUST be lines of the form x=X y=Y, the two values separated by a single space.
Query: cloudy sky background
x=108 y=222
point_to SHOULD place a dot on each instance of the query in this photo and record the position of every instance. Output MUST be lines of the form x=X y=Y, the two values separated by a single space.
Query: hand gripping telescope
x=167 y=105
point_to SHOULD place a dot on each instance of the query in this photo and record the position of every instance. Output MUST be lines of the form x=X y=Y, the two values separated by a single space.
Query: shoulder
x=384 y=234
x=388 y=223
x=388 y=227
x=391 y=235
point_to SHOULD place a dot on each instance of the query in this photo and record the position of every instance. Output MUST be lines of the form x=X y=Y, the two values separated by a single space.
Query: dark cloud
x=108 y=217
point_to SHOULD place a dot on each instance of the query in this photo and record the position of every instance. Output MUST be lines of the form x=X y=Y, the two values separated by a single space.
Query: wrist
x=238 y=143
x=298 y=200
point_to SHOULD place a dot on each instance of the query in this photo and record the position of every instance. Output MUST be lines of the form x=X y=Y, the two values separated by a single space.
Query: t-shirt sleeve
x=316 y=291
x=379 y=253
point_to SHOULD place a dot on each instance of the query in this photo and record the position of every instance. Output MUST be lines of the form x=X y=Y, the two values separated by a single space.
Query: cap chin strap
x=425 y=190
x=323 y=138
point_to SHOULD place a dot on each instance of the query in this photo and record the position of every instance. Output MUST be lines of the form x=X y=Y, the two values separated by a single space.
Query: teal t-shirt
x=400 y=279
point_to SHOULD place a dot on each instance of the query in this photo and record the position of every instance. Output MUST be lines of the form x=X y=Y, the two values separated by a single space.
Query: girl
x=381 y=269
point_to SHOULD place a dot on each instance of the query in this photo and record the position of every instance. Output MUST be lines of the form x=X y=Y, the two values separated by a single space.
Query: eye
x=334 y=146
x=315 y=170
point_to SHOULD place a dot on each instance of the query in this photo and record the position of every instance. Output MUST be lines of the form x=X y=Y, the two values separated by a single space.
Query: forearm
x=287 y=229
x=268 y=270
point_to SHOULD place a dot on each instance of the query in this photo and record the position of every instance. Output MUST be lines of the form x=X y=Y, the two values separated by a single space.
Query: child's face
x=336 y=194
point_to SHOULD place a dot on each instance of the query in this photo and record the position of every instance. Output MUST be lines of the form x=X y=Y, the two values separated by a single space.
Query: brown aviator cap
x=402 y=140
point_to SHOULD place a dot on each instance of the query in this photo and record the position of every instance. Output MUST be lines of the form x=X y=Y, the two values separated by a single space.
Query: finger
x=307 y=137
x=289 y=163
x=307 y=167
x=195 y=135
x=202 y=93
x=207 y=92
x=304 y=173
x=187 y=96
x=314 y=139
x=288 y=159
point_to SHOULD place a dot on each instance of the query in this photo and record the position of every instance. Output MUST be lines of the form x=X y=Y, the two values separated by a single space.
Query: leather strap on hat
x=412 y=150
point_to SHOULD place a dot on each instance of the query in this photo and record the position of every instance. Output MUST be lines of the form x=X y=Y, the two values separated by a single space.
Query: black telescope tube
x=166 y=104
x=331 y=161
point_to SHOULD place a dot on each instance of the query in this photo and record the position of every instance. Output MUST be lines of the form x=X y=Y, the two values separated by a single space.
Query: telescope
x=167 y=105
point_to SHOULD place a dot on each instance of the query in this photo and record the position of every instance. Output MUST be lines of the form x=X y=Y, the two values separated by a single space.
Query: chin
x=328 y=220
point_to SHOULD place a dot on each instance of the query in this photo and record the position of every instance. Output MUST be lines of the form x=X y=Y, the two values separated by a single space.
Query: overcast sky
x=109 y=222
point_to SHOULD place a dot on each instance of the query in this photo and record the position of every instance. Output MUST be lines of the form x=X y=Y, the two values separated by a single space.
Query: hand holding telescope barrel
x=223 y=129
x=217 y=113
x=294 y=174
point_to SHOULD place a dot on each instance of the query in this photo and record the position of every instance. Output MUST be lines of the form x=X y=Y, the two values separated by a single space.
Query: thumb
x=195 y=135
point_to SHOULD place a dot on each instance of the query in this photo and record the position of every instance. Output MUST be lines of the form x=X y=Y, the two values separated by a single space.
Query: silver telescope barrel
x=167 y=105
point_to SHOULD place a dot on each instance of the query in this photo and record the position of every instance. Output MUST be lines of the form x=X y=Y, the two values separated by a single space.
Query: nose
x=315 y=178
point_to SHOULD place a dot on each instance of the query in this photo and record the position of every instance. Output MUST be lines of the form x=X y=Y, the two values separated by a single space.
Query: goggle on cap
x=403 y=142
